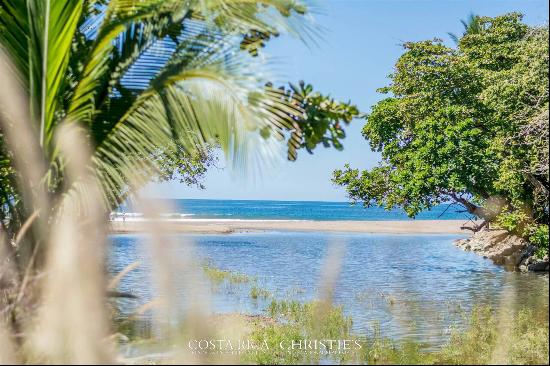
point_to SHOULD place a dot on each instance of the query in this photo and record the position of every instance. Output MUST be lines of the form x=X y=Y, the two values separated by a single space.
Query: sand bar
x=234 y=226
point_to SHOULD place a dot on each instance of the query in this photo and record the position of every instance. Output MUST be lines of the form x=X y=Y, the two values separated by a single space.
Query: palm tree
x=472 y=25
x=141 y=76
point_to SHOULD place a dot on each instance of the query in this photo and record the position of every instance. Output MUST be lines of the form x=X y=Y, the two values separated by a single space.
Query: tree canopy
x=467 y=125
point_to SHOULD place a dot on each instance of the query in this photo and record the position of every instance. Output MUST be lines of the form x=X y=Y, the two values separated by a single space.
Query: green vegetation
x=296 y=322
x=472 y=25
x=467 y=125
x=527 y=343
x=478 y=344
x=538 y=235
x=218 y=276
x=258 y=292
x=187 y=168
x=482 y=342
x=324 y=119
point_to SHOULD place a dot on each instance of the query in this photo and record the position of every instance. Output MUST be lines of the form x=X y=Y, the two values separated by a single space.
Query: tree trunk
x=473 y=208
x=539 y=182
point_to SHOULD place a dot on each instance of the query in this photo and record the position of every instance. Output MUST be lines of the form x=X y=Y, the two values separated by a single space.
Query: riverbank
x=505 y=249
x=198 y=226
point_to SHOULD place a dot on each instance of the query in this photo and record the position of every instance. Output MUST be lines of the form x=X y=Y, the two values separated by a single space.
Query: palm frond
x=118 y=16
x=454 y=37
x=267 y=16
x=14 y=30
x=218 y=16
x=39 y=38
x=472 y=25
x=211 y=98
x=60 y=21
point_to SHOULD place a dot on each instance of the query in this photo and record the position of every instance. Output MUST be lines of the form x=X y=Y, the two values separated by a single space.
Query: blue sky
x=359 y=46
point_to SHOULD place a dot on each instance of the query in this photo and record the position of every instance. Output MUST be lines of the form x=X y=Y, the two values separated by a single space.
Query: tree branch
x=472 y=208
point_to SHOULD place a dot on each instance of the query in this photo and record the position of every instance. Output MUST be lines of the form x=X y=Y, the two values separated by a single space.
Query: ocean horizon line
x=248 y=200
x=288 y=210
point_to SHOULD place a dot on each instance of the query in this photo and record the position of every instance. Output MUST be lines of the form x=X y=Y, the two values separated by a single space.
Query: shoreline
x=213 y=226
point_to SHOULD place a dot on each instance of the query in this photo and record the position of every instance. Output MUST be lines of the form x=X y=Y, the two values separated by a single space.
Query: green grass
x=482 y=342
x=259 y=293
x=218 y=276
x=479 y=343
x=300 y=322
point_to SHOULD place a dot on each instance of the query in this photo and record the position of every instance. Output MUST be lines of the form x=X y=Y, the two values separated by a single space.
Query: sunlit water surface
x=410 y=286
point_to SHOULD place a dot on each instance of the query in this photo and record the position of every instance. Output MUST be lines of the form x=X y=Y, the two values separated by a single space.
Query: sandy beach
x=234 y=226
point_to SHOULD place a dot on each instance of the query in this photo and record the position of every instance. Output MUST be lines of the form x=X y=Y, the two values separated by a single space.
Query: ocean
x=292 y=210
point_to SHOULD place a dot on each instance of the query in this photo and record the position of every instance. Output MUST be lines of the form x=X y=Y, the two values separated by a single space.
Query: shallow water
x=411 y=286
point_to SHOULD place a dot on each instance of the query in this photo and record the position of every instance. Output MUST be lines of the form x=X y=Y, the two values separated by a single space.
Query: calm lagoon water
x=413 y=286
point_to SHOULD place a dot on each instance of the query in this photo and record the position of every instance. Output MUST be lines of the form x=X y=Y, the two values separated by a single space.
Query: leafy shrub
x=513 y=221
x=538 y=235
